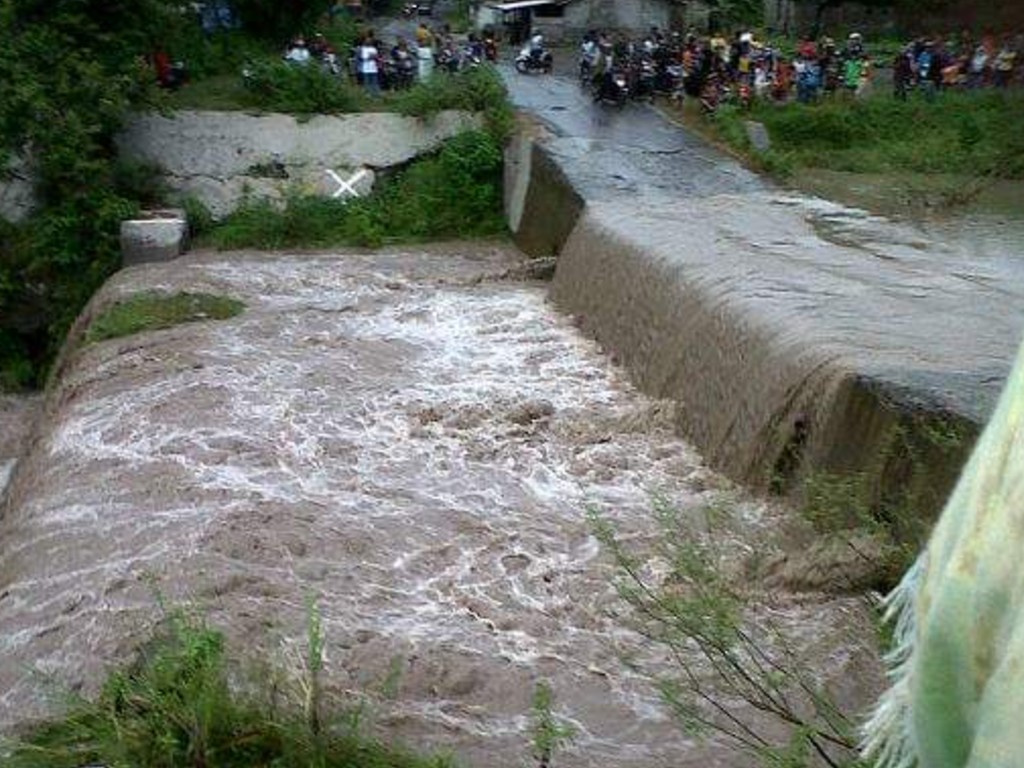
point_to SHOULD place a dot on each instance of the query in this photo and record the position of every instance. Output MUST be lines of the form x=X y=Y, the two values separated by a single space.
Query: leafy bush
x=277 y=19
x=734 y=672
x=455 y=193
x=475 y=90
x=280 y=87
x=176 y=707
x=69 y=70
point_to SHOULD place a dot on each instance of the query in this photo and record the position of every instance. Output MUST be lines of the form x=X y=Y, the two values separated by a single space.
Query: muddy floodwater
x=412 y=440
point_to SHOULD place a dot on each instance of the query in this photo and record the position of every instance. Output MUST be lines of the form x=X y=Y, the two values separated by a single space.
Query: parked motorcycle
x=530 y=61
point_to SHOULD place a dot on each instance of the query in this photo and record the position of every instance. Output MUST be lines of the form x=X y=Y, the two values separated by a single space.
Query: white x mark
x=345 y=187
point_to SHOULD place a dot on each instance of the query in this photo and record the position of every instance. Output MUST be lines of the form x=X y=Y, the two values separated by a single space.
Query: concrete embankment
x=803 y=339
x=222 y=158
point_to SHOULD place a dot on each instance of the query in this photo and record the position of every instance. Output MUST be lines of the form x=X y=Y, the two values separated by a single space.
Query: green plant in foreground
x=737 y=673
x=549 y=733
x=153 y=311
x=177 y=706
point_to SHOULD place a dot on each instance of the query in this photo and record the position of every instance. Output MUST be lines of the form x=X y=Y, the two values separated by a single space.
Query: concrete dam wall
x=803 y=339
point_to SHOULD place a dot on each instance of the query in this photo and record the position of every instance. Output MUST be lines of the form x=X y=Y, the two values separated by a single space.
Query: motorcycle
x=528 y=61
x=645 y=80
x=613 y=89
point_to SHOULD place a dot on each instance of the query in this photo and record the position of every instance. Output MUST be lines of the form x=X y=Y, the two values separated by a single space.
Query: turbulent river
x=412 y=440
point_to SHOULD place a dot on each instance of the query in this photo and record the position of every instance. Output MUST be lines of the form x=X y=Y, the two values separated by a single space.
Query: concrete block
x=758 y=135
x=155 y=236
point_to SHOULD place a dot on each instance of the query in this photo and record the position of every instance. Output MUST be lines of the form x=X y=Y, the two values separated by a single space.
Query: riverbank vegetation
x=154 y=311
x=456 y=193
x=969 y=135
x=182 y=704
x=729 y=667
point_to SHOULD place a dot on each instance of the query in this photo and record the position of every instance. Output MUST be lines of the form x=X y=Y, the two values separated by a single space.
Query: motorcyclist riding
x=537 y=48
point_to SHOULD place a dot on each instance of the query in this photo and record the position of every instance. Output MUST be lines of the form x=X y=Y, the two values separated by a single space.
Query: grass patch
x=274 y=86
x=182 y=705
x=456 y=193
x=152 y=311
x=969 y=134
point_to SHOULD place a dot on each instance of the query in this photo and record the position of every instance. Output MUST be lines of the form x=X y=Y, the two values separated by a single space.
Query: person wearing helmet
x=855 y=66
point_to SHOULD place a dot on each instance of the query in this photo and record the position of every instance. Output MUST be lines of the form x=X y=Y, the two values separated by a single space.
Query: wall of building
x=636 y=15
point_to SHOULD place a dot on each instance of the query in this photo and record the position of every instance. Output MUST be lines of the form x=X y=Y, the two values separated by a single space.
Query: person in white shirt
x=298 y=53
x=368 y=56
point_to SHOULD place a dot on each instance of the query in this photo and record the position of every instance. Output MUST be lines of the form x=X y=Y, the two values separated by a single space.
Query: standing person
x=1005 y=61
x=368 y=61
x=808 y=74
x=424 y=52
x=830 y=66
x=927 y=66
x=903 y=73
x=297 y=53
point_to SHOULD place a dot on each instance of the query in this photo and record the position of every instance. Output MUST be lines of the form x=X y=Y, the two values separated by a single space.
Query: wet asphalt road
x=633 y=150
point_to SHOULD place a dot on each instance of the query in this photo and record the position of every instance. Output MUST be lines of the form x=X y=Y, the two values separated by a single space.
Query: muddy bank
x=801 y=337
x=411 y=439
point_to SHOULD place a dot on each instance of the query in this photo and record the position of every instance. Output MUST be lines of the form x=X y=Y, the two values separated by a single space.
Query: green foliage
x=279 y=19
x=734 y=14
x=200 y=219
x=973 y=134
x=684 y=600
x=177 y=707
x=276 y=86
x=456 y=193
x=280 y=87
x=549 y=733
x=69 y=70
x=475 y=90
x=153 y=311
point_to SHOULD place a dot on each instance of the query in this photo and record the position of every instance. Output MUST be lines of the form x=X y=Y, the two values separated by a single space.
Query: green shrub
x=455 y=193
x=176 y=707
x=972 y=134
x=281 y=87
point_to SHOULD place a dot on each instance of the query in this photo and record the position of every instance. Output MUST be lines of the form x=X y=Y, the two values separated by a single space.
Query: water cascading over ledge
x=802 y=338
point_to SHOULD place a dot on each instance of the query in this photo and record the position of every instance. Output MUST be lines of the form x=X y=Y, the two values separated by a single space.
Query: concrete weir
x=803 y=338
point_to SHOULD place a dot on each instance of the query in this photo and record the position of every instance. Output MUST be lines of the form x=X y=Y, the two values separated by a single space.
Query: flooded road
x=408 y=438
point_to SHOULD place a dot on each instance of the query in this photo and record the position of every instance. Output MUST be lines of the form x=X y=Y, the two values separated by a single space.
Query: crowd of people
x=376 y=66
x=715 y=69
x=957 y=63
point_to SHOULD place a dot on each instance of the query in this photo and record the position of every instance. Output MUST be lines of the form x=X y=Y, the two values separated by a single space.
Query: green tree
x=278 y=19
x=69 y=71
